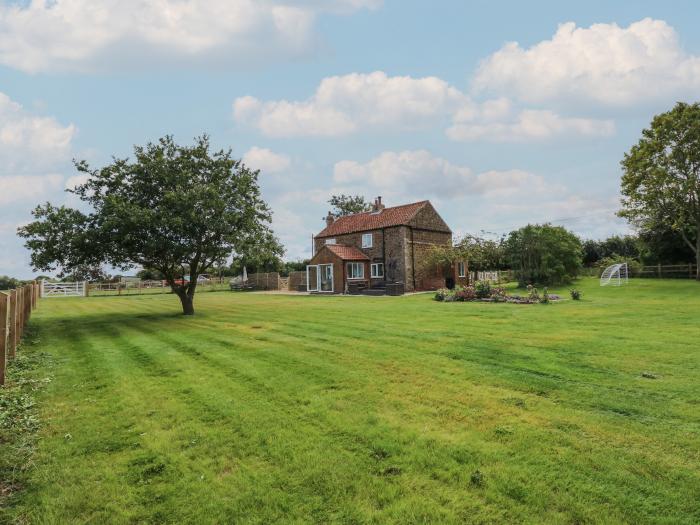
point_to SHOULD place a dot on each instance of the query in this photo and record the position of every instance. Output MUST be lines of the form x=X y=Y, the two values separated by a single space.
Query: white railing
x=63 y=289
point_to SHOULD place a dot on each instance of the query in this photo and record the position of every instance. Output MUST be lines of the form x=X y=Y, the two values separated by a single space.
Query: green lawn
x=297 y=409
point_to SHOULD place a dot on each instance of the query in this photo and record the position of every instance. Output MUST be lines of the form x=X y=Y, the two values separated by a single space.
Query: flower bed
x=483 y=291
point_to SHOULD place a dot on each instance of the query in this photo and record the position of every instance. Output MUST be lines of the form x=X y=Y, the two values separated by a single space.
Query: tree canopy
x=176 y=209
x=543 y=254
x=661 y=176
x=476 y=252
x=348 y=204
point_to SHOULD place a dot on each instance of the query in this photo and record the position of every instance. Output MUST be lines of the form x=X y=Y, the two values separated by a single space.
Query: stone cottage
x=366 y=251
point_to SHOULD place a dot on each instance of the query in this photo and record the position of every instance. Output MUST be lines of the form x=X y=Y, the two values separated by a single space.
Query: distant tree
x=661 y=179
x=619 y=246
x=348 y=204
x=544 y=254
x=263 y=255
x=83 y=272
x=8 y=283
x=150 y=274
x=477 y=254
x=663 y=245
x=176 y=209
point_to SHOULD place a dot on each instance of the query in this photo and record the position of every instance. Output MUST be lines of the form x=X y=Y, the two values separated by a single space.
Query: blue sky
x=499 y=113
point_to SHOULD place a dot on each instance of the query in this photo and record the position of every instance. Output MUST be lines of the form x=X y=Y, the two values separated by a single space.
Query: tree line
x=182 y=211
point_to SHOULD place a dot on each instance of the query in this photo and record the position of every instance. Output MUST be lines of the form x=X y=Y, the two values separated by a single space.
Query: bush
x=543 y=254
x=466 y=294
x=442 y=293
x=532 y=294
x=499 y=295
x=633 y=267
x=482 y=289
x=545 y=297
x=575 y=295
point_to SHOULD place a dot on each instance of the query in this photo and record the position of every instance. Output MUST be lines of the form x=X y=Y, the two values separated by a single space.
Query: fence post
x=659 y=269
x=4 y=333
x=12 y=335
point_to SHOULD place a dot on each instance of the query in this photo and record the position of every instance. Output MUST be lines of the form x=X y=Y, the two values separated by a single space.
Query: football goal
x=615 y=275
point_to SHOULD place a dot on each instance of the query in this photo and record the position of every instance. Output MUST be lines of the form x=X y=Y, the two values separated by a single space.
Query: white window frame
x=366 y=236
x=351 y=273
x=461 y=269
x=330 y=241
x=375 y=274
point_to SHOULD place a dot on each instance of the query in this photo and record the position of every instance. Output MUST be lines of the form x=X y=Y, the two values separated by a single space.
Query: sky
x=500 y=113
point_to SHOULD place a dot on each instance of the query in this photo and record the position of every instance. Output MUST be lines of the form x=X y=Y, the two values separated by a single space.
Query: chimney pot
x=330 y=219
x=378 y=204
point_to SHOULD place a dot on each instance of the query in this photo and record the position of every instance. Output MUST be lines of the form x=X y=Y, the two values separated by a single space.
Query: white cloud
x=343 y=104
x=347 y=104
x=29 y=141
x=266 y=160
x=527 y=125
x=85 y=35
x=16 y=188
x=603 y=63
x=420 y=174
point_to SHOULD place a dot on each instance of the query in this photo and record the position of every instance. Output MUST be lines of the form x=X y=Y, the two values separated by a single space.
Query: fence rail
x=16 y=307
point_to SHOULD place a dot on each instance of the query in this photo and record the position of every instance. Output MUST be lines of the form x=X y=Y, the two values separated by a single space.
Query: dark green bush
x=543 y=254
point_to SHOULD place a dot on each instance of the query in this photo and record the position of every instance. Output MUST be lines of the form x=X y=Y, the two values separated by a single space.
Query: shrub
x=543 y=254
x=575 y=294
x=633 y=267
x=466 y=294
x=482 y=289
x=442 y=293
x=545 y=297
x=532 y=294
x=499 y=295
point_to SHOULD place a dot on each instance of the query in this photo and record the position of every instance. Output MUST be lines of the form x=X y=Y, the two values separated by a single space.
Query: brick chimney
x=330 y=219
x=378 y=206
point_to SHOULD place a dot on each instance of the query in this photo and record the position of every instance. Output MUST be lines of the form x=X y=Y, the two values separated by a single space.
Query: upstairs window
x=460 y=269
x=356 y=270
x=330 y=241
x=366 y=240
x=377 y=270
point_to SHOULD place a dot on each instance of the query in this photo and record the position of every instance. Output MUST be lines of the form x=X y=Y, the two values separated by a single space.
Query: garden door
x=326 y=277
x=312 y=278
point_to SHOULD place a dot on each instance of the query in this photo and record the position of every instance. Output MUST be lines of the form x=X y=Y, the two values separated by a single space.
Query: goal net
x=615 y=275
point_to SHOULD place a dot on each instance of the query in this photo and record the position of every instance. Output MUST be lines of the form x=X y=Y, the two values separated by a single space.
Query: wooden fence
x=16 y=307
x=264 y=281
x=667 y=271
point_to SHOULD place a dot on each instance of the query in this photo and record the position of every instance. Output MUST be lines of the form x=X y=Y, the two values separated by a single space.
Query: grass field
x=285 y=409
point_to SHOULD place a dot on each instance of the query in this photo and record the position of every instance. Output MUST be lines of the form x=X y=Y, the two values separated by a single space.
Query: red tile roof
x=347 y=253
x=358 y=222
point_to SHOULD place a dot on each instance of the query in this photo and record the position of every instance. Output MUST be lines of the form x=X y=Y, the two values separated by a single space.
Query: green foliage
x=545 y=296
x=633 y=267
x=543 y=254
x=575 y=294
x=661 y=180
x=348 y=204
x=476 y=252
x=482 y=289
x=176 y=209
x=150 y=274
x=8 y=283
x=627 y=246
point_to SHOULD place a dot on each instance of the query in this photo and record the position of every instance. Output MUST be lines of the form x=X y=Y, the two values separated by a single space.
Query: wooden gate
x=63 y=289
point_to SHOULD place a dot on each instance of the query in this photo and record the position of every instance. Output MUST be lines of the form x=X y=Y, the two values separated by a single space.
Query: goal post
x=615 y=275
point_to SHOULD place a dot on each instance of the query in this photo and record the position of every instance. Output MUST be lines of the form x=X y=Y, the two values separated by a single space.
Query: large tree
x=543 y=254
x=661 y=179
x=348 y=204
x=175 y=209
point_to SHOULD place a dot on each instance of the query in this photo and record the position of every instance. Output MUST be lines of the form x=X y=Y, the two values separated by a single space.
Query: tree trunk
x=697 y=255
x=187 y=303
